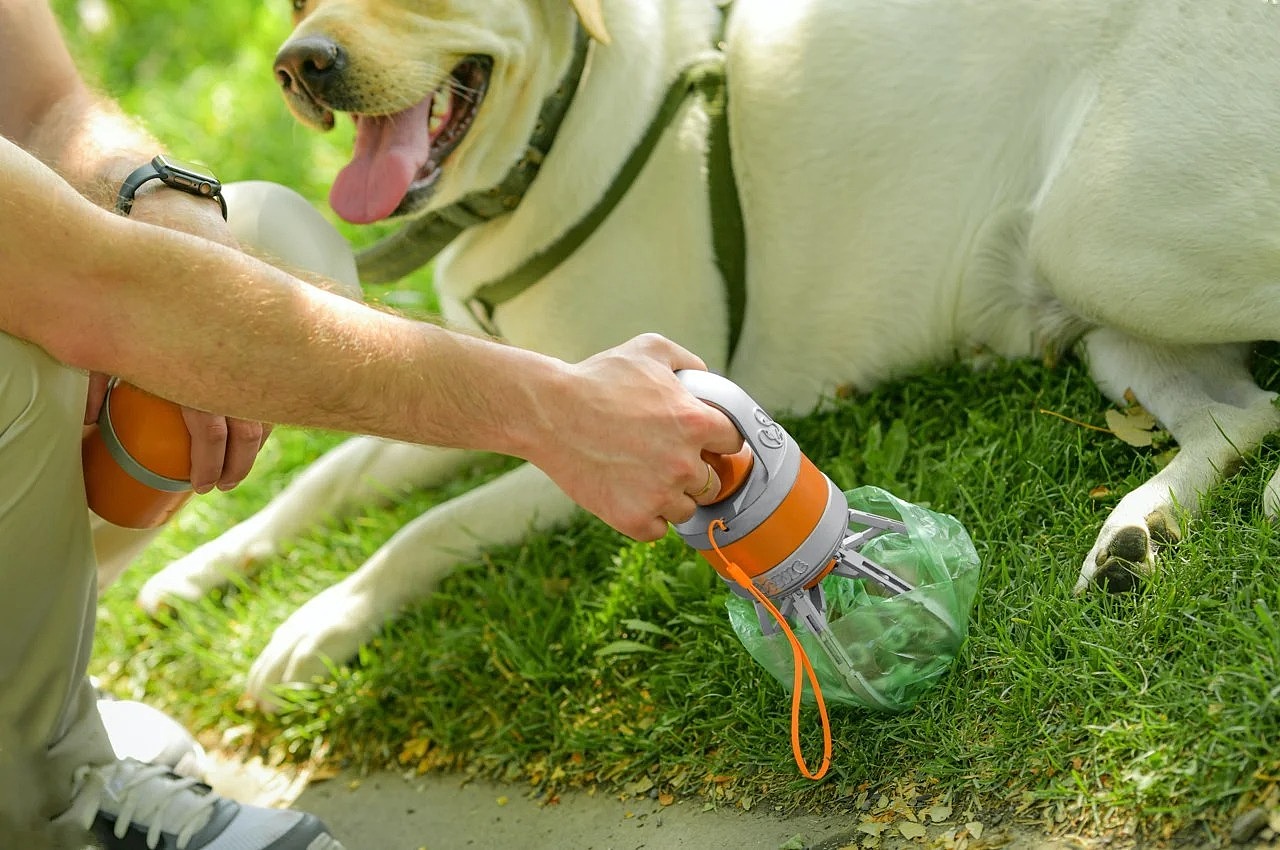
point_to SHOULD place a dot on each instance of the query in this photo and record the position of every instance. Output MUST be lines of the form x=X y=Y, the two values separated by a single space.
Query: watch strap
x=151 y=171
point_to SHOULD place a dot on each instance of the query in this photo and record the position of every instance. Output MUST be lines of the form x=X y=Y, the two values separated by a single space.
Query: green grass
x=1158 y=709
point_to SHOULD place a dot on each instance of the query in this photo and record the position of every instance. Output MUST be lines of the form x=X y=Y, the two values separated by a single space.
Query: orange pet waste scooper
x=784 y=537
x=137 y=458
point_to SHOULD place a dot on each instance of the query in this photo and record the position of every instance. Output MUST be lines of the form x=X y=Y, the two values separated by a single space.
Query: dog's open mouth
x=398 y=158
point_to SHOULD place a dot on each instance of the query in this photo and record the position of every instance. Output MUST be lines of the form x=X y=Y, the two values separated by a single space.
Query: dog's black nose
x=309 y=65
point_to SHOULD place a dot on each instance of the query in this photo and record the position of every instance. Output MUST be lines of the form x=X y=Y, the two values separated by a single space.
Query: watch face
x=192 y=177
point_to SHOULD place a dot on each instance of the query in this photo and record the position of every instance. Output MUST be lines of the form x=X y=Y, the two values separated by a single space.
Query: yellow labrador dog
x=895 y=183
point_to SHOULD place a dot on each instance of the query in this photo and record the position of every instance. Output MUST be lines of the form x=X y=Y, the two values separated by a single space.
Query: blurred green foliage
x=199 y=77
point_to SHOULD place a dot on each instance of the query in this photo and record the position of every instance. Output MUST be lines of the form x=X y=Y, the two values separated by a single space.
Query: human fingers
x=679 y=509
x=707 y=491
x=722 y=436
x=643 y=530
x=645 y=519
x=208 y=447
x=667 y=352
x=244 y=441
x=94 y=398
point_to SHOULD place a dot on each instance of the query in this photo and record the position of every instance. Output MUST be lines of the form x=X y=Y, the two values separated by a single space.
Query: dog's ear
x=592 y=17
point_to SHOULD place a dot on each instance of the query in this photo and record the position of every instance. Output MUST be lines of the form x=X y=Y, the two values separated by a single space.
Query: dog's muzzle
x=310 y=69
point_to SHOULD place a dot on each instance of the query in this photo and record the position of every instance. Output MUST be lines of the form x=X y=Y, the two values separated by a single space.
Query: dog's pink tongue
x=389 y=151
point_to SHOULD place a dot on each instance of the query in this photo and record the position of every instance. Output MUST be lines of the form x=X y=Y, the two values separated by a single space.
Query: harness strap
x=418 y=242
x=705 y=77
x=728 y=232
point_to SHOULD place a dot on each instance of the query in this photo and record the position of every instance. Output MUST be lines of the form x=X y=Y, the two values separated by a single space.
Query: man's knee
x=278 y=224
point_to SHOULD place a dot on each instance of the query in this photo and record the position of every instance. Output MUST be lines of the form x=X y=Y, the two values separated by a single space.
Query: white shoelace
x=149 y=794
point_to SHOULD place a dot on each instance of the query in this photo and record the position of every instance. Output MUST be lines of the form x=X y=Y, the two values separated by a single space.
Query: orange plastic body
x=732 y=470
x=152 y=432
x=782 y=533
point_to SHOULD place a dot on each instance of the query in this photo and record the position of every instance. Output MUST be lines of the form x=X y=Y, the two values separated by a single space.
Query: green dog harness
x=420 y=240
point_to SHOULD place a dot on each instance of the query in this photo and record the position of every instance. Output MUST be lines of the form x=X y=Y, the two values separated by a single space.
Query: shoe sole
x=325 y=842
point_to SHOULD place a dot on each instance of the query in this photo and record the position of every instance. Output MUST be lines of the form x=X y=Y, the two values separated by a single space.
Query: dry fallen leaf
x=975 y=828
x=324 y=772
x=938 y=813
x=640 y=786
x=910 y=829
x=1133 y=426
x=666 y=799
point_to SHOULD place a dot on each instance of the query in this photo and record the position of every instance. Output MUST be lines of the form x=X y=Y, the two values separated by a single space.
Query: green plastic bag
x=900 y=645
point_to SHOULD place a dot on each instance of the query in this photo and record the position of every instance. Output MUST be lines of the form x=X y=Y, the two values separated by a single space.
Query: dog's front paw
x=192 y=576
x=1125 y=552
x=329 y=628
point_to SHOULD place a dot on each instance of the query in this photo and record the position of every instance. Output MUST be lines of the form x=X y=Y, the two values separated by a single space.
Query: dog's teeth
x=439 y=112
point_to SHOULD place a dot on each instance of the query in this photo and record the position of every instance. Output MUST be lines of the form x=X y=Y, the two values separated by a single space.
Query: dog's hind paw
x=330 y=628
x=1125 y=553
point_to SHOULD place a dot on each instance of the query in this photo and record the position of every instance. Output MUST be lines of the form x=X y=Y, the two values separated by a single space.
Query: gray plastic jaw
x=851 y=563
x=810 y=605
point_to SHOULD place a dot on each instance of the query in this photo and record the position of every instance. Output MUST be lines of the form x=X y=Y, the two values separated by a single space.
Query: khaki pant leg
x=276 y=224
x=49 y=725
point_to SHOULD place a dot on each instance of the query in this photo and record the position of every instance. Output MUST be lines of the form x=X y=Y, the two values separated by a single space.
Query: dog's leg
x=1207 y=400
x=362 y=471
x=334 y=624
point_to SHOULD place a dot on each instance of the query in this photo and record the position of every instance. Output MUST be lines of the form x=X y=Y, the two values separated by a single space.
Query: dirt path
x=387 y=811
x=390 y=811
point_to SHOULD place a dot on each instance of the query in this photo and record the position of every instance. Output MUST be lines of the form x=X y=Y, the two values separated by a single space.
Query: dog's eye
x=299 y=6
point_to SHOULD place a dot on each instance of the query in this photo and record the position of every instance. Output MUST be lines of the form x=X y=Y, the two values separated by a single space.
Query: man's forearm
x=213 y=328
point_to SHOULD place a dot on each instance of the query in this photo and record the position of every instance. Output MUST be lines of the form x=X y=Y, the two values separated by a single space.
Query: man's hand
x=222 y=449
x=624 y=438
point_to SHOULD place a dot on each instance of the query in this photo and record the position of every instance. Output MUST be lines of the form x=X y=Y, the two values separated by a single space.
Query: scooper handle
x=732 y=470
x=728 y=397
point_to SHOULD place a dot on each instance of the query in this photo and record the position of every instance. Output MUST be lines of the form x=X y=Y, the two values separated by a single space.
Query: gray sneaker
x=129 y=805
x=140 y=732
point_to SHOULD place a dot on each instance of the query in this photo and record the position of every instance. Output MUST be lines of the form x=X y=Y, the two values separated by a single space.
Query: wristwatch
x=174 y=173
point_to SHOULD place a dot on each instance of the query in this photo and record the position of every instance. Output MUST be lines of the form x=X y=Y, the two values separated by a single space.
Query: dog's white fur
x=920 y=180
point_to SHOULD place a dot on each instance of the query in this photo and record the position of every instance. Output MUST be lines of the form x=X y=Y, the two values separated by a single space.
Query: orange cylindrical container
x=137 y=458
x=783 y=531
